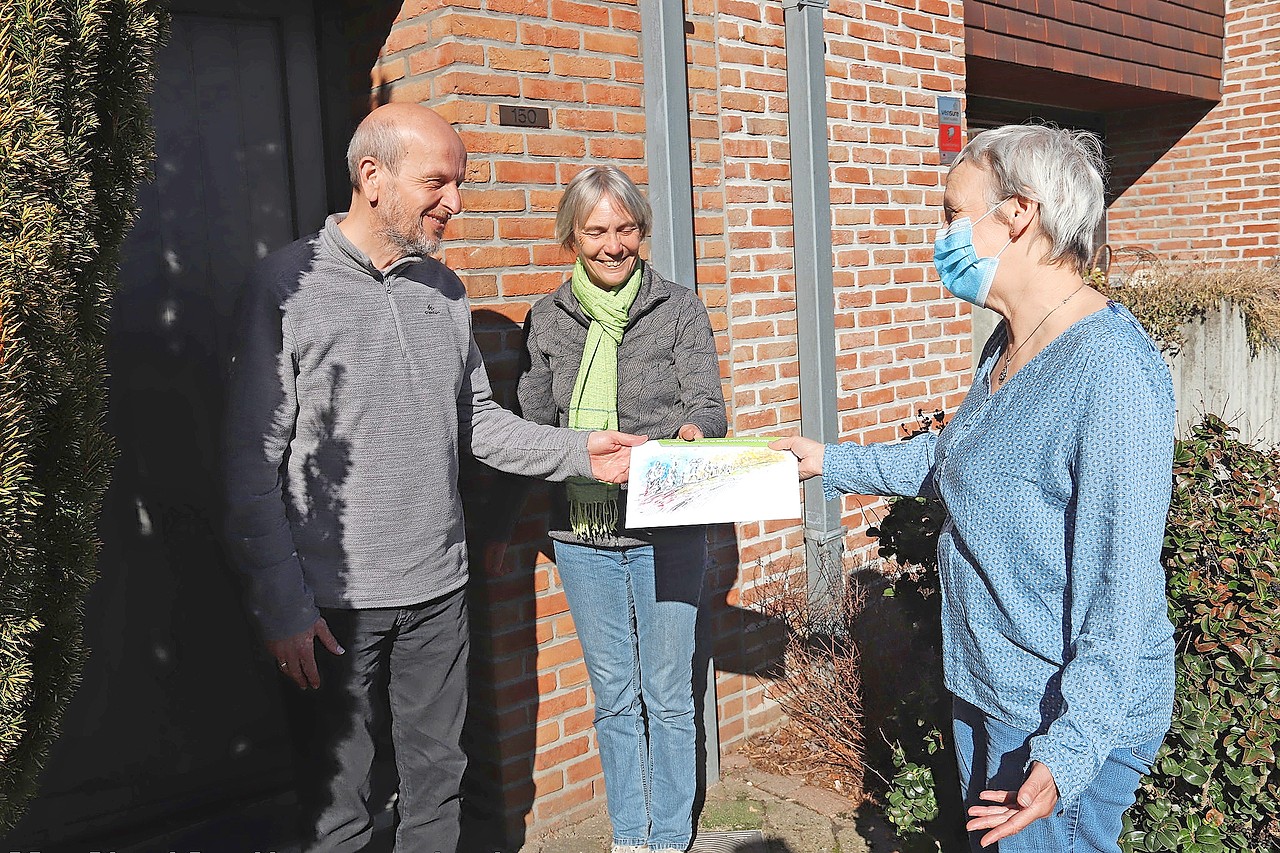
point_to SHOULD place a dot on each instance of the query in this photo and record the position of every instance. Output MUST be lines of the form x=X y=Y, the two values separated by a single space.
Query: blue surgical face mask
x=966 y=275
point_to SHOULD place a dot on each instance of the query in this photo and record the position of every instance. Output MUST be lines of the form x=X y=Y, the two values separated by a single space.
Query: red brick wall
x=1204 y=185
x=901 y=343
x=1173 y=47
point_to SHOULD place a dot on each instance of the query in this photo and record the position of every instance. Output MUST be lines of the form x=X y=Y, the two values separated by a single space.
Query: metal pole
x=815 y=290
x=666 y=115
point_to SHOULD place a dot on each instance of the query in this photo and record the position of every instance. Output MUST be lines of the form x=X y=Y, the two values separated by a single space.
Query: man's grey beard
x=417 y=244
x=409 y=244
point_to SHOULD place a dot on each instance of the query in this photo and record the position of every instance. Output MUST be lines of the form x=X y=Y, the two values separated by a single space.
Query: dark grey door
x=178 y=712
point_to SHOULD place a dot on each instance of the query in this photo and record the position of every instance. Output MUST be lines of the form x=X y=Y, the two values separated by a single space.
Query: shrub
x=1165 y=296
x=819 y=685
x=914 y=718
x=913 y=711
x=74 y=142
x=1214 y=786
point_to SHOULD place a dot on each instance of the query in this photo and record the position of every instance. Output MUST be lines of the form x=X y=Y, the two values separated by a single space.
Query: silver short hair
x=1062 y=170
x=585 y=191
x=382 y=140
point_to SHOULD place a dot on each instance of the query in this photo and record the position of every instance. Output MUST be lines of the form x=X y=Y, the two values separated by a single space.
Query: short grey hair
x=585 y=191
x=377 y=138
x=1061 y=170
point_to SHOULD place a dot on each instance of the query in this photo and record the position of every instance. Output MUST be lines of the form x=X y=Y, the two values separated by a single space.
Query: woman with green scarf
x=619 y=347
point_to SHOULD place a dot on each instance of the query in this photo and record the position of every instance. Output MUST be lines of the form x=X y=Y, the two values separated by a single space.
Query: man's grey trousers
x=408 y=666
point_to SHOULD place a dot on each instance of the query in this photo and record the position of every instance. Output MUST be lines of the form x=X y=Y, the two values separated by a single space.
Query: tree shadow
x=179 y=715
x=737 y=640
x=500 y=736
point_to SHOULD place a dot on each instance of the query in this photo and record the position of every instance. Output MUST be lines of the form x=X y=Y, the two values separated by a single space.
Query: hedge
x=75 y=141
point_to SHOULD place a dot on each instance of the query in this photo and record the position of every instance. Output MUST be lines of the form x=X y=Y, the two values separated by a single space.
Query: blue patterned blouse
x=1054 y=618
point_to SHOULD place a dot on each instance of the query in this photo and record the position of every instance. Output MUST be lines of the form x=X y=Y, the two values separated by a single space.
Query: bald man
x=355 y=385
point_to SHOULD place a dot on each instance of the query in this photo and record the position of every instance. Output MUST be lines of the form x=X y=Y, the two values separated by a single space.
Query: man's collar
x=351 y=252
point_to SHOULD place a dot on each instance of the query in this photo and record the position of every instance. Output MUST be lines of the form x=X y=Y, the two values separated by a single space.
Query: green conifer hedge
x=75 y=140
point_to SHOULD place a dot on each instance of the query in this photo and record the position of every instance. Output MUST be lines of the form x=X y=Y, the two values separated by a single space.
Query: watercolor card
x=711 y=481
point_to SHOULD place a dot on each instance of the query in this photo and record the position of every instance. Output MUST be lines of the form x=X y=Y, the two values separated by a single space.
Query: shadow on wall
x=1137 y=139
x=351 y=36
x=179 y=713
x=509 y=695
x=1134 y=139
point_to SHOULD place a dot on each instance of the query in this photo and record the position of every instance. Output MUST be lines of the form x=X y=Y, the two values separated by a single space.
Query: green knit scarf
x=593 y=505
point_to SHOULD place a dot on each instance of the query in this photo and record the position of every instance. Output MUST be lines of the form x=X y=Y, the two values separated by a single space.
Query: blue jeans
x=995 y=757
x=635 y=610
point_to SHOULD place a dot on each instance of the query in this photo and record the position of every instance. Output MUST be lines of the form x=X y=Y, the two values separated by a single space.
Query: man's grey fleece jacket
x=352 y=393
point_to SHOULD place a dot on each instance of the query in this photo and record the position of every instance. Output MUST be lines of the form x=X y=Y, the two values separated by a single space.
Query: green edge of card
x=756 y=441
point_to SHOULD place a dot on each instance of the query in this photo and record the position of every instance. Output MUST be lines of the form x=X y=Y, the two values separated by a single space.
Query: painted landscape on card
x=711 y=482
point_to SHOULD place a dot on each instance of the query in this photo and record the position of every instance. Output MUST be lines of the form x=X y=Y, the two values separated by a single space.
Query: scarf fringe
x=594 y=519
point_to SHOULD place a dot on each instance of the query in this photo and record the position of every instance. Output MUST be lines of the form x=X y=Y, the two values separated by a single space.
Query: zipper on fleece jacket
x=399 y=323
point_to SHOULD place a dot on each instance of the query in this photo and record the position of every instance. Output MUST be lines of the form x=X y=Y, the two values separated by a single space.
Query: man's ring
x=284 y=664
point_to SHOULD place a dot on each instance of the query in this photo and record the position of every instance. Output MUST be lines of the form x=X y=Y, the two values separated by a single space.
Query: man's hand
x=808 y=451
x=296 y=655
x=1015 y=810
x=690 y=432
x=611 y=454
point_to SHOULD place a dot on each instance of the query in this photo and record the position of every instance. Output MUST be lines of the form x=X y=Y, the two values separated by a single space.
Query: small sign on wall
x=949 y=139
x=518 y=116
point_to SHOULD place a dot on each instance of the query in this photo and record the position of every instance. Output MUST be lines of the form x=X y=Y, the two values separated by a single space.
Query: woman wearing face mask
x=1055 y=472
x=620 y=344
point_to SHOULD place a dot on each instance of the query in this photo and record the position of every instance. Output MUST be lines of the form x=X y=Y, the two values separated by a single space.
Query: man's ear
x=370 y=173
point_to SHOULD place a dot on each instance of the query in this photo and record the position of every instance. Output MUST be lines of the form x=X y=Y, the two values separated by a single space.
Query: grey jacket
x=352 y=393
x=668 y=371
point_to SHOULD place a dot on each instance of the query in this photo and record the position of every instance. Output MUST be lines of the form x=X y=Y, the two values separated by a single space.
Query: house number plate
x=513 y=116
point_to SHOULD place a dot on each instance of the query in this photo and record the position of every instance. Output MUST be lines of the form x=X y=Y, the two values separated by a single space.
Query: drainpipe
x=670 y=160
x=666 y=115
x=815 y=290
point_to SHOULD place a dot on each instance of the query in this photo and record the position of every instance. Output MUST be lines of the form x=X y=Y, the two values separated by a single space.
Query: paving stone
x=800 y=829
x=731 y=787
x=878 y=834
x=822 y=801
x=852 y=842
x=794 y=817
x=779 y=786
x=569 y=845
x=592 y=835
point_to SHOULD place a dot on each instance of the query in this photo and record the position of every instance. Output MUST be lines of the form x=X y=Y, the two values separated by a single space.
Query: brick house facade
x=1212 y=166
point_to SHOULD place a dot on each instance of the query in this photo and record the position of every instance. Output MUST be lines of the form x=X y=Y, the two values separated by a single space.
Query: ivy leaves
x=911 y=800
x=1214 y=786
